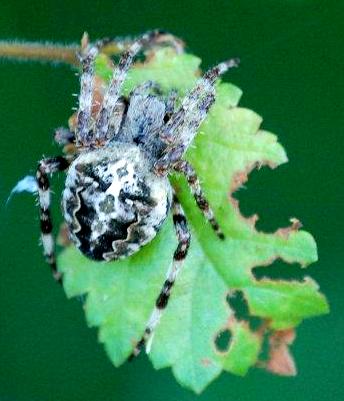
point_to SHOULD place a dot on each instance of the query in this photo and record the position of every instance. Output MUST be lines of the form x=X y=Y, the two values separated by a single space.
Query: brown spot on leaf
x=206 y=362
x=295 y=226
x=239 y=178
x=280 y=359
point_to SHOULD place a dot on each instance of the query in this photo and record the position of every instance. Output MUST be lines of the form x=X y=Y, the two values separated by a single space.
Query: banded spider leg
x=45 y=167
x=183 y=237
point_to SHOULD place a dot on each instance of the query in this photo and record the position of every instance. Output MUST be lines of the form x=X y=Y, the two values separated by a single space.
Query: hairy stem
x=50 y=52
x=37 y=51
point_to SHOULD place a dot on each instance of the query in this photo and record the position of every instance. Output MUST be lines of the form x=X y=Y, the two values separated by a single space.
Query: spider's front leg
x=94 y=133
x=45 y=167
x=111 y=96
x=182 y=127
x=113 y=46
x=184 y=123
x=183 y=237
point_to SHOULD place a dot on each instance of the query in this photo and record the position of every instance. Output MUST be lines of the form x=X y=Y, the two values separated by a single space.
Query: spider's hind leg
x=183 y=236
x=45 y=167
x=186 y=168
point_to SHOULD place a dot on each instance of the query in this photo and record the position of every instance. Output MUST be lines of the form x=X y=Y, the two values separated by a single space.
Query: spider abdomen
x=113 y=203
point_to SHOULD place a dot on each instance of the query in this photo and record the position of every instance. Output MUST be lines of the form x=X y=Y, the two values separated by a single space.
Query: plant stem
x=37 y=51
x=57 y=53
x=50 y=52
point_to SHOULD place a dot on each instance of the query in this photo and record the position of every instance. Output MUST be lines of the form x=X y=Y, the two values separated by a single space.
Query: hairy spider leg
x=188 y=129
x=84 y=115
x=204 y=87
x=172 y=160
x=186 y=168
x=171 y=104
x=112 y=46
x=114 y=90
x=45 y=167
x=183 y=237
x=186 y=122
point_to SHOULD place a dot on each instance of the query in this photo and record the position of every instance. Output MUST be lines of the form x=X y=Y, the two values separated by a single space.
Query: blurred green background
x=292 y=54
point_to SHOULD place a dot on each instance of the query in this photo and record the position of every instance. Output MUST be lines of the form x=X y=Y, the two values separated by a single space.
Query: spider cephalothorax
x=117 y=193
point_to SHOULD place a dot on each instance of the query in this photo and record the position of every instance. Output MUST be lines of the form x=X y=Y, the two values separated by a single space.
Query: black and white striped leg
x=46 y=167
x=183 y=236
x=186 y=168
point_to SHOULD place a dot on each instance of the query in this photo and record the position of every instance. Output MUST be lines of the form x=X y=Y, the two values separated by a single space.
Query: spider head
x=113 y=203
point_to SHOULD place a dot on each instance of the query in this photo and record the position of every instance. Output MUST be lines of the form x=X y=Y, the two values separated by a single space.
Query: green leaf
x=121 y=295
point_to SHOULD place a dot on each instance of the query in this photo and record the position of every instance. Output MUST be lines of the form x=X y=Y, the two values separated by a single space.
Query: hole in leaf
x=238 y=304
x=223 y=340
x=279 y=270
x=255 y=322
x=265 y=350
x=264 y=184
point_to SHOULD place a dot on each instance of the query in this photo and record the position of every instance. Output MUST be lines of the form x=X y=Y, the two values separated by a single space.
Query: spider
x=117 y=193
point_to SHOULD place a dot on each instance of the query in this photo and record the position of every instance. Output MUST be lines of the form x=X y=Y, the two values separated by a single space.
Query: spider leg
x=113 y=92
x=45 y=167
x=84 y=115
x=116 y=121
x=188 y=129
x=203 y=86
x=184 y=123
x=183 y=236
x=170 y=104
x=85 y=136
x=186 y=168
x=113 y=46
